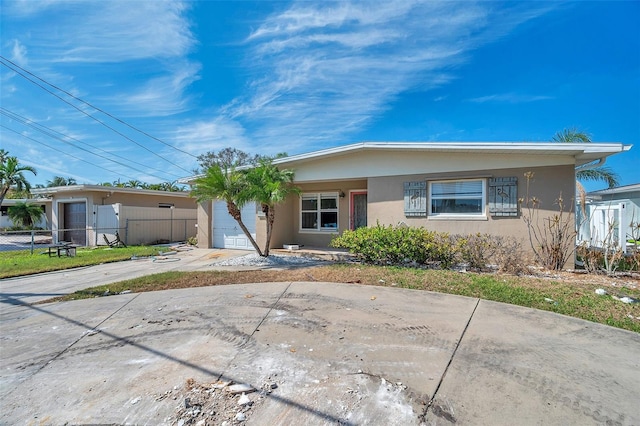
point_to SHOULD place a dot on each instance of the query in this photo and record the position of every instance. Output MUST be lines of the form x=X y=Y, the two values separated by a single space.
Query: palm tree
x=11 y=175
x=25 y=214
x=134 y=184
x=61 y=181
x=225 y=184
x=268 y=185
x=171 y=187
x=587 y=172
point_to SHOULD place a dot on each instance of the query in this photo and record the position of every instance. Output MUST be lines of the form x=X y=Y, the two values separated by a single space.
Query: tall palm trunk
x=271 y=216
x=235 y=213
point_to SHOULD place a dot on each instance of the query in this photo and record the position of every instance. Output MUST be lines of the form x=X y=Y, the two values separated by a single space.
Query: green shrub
x=391 y=245
x=401 y=245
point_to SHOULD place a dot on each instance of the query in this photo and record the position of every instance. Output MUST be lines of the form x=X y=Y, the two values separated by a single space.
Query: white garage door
x=226 y=231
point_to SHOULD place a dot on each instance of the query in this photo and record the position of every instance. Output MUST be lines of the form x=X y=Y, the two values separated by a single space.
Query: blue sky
x=275 y=76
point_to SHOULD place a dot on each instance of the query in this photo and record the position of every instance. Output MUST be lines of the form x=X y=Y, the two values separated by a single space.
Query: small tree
x=268 y=185
x=25 y=214
x=12 y=177
x=227 y=158
x=224 y=184
x=263 y=183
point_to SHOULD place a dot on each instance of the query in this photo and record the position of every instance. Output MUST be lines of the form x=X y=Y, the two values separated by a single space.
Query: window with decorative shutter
x=503 y=196
x=415 y=199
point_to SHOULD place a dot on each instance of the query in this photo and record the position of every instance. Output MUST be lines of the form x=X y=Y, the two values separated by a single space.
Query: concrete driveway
x=336 y=354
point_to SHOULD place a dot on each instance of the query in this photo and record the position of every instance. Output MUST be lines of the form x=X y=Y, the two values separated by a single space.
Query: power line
x=57 y=150
x=99 y=109
x=85 y=150
x=81 y=111
x=62 y=137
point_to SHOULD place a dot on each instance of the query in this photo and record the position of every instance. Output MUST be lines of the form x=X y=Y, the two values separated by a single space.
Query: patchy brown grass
x=565 y=293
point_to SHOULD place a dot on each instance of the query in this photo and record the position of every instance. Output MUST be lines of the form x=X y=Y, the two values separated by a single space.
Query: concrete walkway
x=35 y=288
x=339 y=353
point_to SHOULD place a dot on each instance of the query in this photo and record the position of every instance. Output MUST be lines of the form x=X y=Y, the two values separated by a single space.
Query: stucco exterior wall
x=204 y=220
x=351 y=165
x=287 y=227
x=385 y=196
x=386 y=202
x=282 y=227
x=134 y=205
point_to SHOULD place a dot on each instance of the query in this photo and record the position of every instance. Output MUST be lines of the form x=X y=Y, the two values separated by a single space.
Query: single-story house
x=453 y=187
x=82 y=214
x=45 y=205
x=608 y=217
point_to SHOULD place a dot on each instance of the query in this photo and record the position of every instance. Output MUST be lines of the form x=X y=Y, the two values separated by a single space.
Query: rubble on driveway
x=218 y=403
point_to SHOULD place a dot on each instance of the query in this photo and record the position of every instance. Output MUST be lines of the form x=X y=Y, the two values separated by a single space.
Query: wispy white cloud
x=21 y=8
x=331 y=68
x=19 y=53
x=117 y=31
x=161 y=96
x=511 y=98
x=150 y=41
x=211 y=135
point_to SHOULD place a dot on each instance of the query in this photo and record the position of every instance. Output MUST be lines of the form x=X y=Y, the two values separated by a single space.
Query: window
x=457 y=197
x=319 y=212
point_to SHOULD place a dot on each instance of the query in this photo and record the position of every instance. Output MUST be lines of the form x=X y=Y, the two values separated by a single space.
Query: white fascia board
x=100 y=188
x=582 y=152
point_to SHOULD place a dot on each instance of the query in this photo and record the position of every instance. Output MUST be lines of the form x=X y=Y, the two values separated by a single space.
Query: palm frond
x=603 y=174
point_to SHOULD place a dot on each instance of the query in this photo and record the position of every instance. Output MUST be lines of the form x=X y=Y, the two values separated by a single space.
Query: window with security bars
x=319 y=212
x=457 y=197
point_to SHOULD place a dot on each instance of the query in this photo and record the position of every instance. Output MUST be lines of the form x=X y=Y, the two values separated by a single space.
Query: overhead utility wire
x=99 y=109
x=85 y=113
x=62 y=137
x=61 y=152
x=82 y=149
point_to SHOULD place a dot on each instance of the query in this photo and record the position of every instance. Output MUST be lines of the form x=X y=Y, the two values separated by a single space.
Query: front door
x=358 y=209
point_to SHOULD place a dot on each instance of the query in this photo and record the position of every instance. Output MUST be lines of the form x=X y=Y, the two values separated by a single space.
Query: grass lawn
x=566 y=294
x=22 y=262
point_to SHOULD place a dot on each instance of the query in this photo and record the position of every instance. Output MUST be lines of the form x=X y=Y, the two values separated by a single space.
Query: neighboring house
x=6 y=222
x=608 y=217
x=84 y=213
x=460 y=188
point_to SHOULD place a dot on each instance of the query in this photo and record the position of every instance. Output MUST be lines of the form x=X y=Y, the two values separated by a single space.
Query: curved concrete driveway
x=340 y=353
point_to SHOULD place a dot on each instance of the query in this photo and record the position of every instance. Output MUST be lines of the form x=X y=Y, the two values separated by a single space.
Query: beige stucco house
x=459 y=188
x=84 y=213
